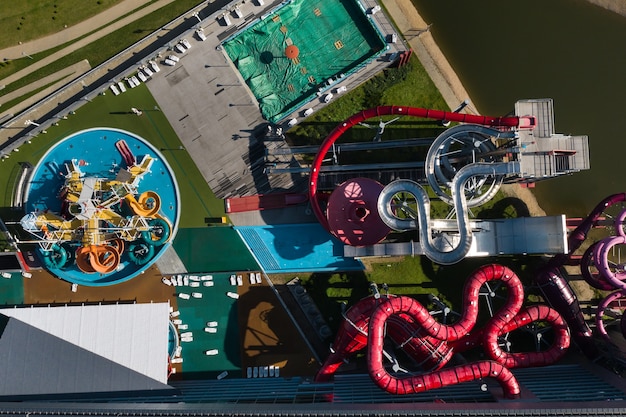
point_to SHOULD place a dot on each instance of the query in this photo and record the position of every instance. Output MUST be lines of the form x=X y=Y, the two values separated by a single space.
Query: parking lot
x=216 y=116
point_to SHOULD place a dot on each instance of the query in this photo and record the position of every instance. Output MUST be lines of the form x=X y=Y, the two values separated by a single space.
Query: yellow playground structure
x=99 y=219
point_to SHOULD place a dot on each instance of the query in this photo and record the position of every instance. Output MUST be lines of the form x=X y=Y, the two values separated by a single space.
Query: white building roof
x=132 y=335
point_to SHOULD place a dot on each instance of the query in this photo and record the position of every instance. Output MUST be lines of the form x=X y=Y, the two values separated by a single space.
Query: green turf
x=31 y=19
x=214 y=305
x=100 y=51
x=217 y=248
x=12 y=289
x=197 y=199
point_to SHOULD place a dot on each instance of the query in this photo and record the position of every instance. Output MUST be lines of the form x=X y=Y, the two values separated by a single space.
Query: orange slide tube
x=97 y=258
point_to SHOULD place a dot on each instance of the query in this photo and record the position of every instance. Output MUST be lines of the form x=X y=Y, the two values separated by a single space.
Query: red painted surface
x=431 y=343
x=263 y=202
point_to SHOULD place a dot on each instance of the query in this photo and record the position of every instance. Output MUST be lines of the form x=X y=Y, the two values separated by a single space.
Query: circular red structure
x=292 y=52
x=388 y=110
x=352 y=215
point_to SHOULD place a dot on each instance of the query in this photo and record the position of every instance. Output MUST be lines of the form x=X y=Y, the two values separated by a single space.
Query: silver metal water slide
x=446 y=248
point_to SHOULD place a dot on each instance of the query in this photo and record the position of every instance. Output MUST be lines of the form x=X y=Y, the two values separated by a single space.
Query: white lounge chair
x=186 y=339
x=239 y=280
x=233 y=280
x=194 y=284
x=166 y=281
x=184 y=296
x=233 y=295
x=178 y=351
x=211 y=324
x=196 y=294
x=175 y=313
x=210 y=329
x=185 y=280
x=183 y=327
x=207 y=283
x=186 y=334
x=177 y=360
x=211 y=352
x=177 y=321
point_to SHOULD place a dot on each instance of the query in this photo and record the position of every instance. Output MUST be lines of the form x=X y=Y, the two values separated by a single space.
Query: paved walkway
x=88 y=39
x=72 y=32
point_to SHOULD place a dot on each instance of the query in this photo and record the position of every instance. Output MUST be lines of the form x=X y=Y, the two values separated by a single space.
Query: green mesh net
x=331 y=38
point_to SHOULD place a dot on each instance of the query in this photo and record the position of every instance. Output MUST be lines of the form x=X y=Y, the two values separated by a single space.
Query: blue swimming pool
x=306 y=247
x=95 y=155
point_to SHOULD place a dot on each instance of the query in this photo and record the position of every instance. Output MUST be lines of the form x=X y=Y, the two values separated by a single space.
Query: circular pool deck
x=94 y=152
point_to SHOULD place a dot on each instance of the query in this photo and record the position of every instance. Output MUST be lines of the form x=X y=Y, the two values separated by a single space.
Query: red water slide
x=409 y=324
x=504 y=122
x=126 y=153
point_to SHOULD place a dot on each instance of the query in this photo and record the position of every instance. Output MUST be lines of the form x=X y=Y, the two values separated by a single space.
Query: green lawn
x=96 y=52
x=198 y=201
x=31 y=19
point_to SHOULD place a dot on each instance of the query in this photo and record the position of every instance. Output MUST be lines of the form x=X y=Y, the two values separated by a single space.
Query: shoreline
x=415 y=32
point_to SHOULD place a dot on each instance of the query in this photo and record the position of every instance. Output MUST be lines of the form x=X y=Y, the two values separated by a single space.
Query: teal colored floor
x=12 y=289
x=214 y=305
x=216 y=249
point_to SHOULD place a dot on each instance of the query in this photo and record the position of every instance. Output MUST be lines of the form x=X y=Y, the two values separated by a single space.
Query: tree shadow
x=508 y=207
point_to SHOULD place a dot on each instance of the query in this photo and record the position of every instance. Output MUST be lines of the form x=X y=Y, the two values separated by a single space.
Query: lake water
x=568 y=50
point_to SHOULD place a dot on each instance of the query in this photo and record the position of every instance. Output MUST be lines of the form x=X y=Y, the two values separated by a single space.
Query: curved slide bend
x=434 y=163
x=434 y=253
x=97 y=258
x=147 y=205
x=378 y=314
x=503 y=122
x=556 y=288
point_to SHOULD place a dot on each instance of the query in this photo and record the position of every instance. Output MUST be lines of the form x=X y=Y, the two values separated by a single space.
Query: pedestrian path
x=80 y=29
x=53 y=81
x=105 y=30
